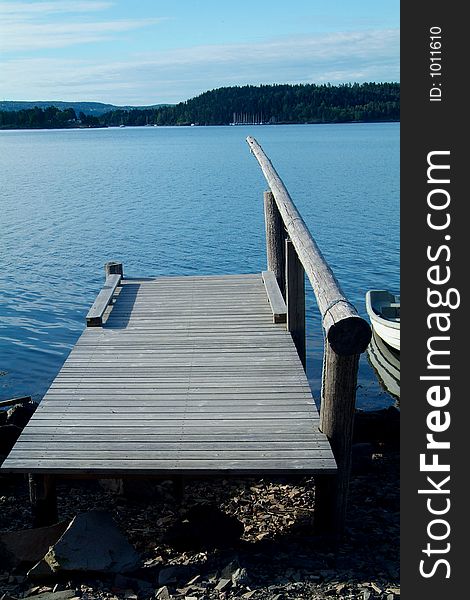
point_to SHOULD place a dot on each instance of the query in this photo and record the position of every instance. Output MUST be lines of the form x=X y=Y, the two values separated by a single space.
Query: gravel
x=276 y=558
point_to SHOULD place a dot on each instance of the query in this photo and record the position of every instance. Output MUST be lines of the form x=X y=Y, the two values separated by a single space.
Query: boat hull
x=386 y=364
x=383 y=309
x=390 y=335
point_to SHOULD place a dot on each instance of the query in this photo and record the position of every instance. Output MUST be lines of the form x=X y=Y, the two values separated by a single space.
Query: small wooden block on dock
x=94 y=317
x=278 y=305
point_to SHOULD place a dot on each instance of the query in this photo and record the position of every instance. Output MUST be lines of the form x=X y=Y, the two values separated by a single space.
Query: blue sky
x=146 y=52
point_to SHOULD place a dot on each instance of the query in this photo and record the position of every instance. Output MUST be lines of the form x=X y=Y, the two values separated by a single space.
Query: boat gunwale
x=375 y=316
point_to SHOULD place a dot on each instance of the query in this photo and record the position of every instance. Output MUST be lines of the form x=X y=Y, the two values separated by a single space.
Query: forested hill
x=307 y=103
x=94 y=109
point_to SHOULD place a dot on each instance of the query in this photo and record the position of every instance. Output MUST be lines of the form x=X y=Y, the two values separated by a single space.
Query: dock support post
x=295 y=299
x=337 y=421
x=42 y=493
x=275 y=236
x=113 y=268
x=325 y=507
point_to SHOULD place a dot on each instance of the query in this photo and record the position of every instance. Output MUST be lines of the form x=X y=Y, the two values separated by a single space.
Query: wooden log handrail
x=347 y=335
x=345 y=330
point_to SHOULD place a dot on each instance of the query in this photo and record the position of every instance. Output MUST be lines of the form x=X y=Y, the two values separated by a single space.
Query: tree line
x=307 y=103
x=283 y=103
x=46 y=118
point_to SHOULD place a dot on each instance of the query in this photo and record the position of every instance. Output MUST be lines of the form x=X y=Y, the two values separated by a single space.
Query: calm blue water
x=179 y=201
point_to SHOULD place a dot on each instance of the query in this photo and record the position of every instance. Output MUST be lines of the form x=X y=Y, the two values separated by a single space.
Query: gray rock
x=29 y=545
x=230 y=569
x=240 y=577
x=162 y=593
x=204 y=526
x=92 y=542
x=223 y=584
x=137 y=585
x=64 y=595
x=41 y=571
x=175 y=574
x=168 y=575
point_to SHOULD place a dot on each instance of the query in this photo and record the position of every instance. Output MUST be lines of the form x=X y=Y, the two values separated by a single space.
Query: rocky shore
x=221 y=539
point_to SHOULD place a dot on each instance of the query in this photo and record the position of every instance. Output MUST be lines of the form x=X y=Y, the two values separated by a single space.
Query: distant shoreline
x=287 y=104
x=189 y=125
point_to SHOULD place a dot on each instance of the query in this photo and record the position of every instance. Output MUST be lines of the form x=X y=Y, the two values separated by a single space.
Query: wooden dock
x=204 y=375
x=187 y=375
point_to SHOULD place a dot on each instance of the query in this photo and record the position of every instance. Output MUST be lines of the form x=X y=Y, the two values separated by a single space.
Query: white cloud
x=17 y=36
x=25 y=10
x=176 y=75
x=31 y=26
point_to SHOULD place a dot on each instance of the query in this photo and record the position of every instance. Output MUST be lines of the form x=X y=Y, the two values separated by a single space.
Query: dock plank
x=186 y=374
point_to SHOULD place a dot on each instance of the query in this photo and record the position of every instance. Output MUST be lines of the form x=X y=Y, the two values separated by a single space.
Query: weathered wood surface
x=345 y=330
x=337 y=420
x=94 y=317
x=187 y=375
x=295 y=298
x=275 y=298
x=275 y=238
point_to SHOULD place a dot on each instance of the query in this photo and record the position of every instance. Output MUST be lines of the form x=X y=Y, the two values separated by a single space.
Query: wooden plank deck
x=187 y=375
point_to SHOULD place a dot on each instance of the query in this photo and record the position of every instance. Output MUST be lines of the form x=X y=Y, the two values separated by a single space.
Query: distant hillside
x=306 y=103
x=248 y=104
x=95 y=109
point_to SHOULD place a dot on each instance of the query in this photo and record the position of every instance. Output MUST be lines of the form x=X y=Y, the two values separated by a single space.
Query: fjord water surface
x=180 y=200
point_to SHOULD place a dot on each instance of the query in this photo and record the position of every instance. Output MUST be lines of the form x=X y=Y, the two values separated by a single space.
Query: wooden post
x=113 y=268
x=337 y=421
x=325 y=518
x=42 y=493
x=295 y=300
x=275 y=236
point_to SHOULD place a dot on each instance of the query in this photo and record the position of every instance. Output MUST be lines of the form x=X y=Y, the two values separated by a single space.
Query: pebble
x=284 y=565
x=162 y=593
x=223 y=584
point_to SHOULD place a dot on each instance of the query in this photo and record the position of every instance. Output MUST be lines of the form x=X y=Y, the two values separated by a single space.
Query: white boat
x=383 y=309
x=386 y=364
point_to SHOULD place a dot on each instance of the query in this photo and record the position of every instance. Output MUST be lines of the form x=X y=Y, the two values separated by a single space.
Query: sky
x=142 y=52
